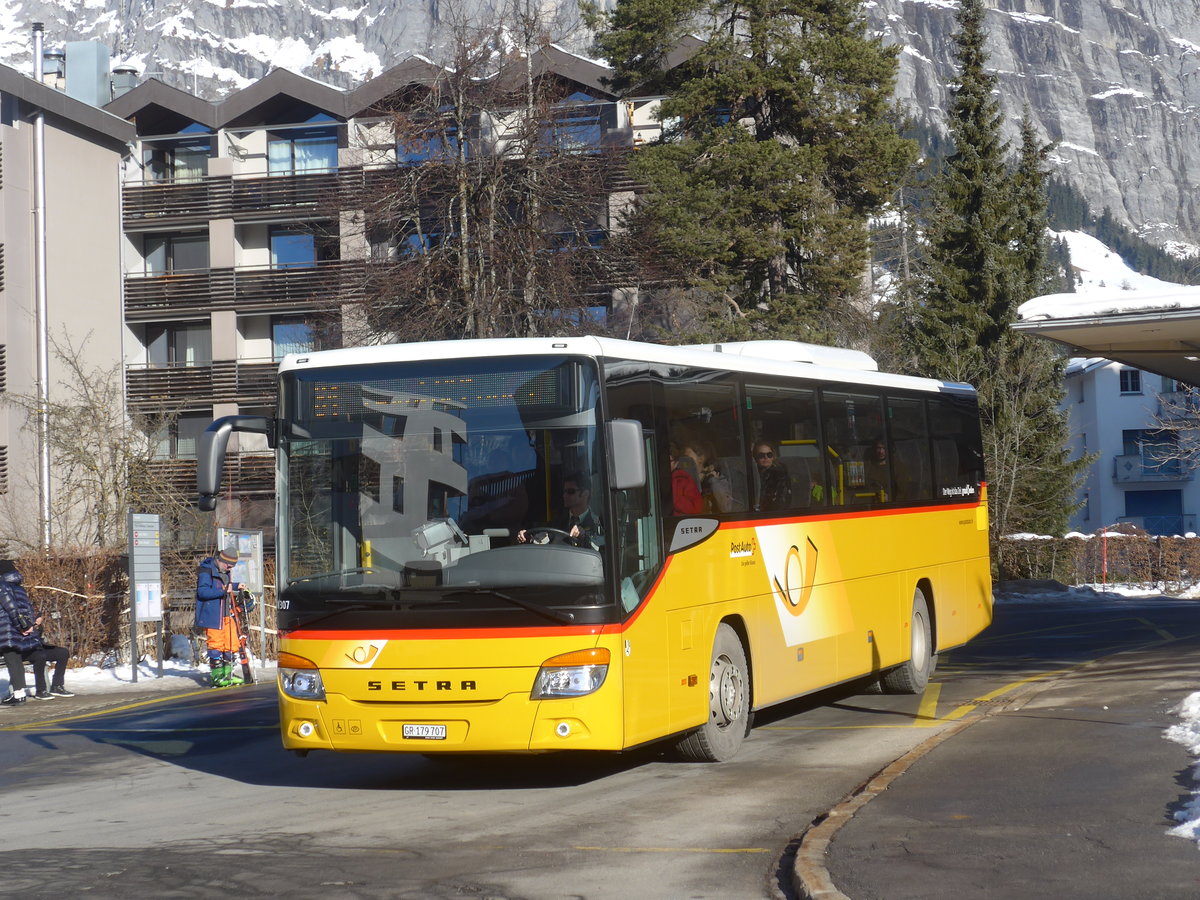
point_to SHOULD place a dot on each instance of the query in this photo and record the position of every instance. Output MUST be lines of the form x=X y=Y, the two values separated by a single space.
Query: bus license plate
x=425 y=732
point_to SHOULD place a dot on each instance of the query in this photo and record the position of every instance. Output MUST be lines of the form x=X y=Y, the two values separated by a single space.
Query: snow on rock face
x=1115 y=82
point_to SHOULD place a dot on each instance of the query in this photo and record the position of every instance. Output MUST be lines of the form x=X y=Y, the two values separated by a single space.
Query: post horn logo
x=799 y=575
x=364 y=654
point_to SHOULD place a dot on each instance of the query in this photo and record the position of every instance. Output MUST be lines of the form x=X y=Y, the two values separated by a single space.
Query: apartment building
x=1135 y=421
x=234 y=254
x=60 y=284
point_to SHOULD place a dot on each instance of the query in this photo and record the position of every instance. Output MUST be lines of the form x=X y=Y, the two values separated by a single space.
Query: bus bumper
x=513 y=724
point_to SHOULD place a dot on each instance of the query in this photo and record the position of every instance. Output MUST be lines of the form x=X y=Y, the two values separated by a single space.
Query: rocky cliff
x=1115 y=82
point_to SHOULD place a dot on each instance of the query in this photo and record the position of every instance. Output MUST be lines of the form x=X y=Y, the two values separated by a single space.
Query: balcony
x=152 y=389
x=245 y=474
x=1135 y=469
x=157 y=205
x=257 y=289
x=1180 y=407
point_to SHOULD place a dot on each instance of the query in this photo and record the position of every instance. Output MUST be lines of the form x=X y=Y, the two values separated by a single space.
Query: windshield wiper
x=565 y=618
x=308 y=623
x=336 y=573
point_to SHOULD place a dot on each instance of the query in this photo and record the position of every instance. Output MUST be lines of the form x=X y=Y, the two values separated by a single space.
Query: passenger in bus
x=685 y=487
x=577 y=519
x=715 y=491
x=774 y=484
x=879 y=470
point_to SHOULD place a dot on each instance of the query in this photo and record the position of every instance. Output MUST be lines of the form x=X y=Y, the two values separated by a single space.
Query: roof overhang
x=1162 y=340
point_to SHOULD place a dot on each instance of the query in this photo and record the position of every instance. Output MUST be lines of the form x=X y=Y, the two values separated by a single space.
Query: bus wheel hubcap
x=726 y=692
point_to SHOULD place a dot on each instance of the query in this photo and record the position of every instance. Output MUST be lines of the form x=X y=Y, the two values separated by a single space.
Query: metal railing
x=1134 y=468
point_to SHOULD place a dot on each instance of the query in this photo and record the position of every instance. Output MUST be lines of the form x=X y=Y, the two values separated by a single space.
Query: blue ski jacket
x=211 y=593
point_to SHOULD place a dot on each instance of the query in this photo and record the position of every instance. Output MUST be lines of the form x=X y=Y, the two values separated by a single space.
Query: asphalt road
x=192 y=795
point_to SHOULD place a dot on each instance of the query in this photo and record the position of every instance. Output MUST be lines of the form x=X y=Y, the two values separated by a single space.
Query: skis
x=242 y=602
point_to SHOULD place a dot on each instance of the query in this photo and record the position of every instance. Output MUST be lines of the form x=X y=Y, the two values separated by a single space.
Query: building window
x=179 y=344
x=3 y=470
x=303 y=150
x=299 y=247
x=1131 y=381
x=3 y=368
x=167 y=254
x=177 y=160
x=178 y=440
x=291 y=334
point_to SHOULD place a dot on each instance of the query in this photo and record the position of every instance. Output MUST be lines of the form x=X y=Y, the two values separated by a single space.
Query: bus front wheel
x=719 y=738
x=913 y=676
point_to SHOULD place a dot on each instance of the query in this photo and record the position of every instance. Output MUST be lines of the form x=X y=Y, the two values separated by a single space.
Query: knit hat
x=229 y=556
x=6 y=566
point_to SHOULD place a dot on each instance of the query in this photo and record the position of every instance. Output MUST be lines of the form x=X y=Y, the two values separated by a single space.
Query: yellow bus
x=545 y=544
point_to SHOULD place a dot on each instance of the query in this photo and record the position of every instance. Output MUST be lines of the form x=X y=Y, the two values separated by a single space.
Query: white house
x=1129 y=417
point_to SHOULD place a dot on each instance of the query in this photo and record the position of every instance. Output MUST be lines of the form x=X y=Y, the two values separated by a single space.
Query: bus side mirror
x=210 y=453
x=626 y=455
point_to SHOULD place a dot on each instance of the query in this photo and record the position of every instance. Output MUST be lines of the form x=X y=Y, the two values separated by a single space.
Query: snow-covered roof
x=1120 y=315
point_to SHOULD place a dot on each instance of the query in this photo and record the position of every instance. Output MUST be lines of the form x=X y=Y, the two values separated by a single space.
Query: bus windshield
x=425 y=492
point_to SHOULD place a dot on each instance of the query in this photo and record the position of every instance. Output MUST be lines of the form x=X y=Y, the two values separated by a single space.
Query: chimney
x=38 y=29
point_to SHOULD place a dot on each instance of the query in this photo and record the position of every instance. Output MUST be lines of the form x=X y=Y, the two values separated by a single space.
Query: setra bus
x=760 y=521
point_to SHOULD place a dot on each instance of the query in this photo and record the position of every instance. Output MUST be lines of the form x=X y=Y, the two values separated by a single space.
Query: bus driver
x=576 y=520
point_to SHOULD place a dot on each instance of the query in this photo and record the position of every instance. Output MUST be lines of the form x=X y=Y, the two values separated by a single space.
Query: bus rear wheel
x=913 y=676
x=719 y=738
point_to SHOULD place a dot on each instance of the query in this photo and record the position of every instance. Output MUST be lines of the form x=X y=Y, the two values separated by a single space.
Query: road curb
x=810 y=876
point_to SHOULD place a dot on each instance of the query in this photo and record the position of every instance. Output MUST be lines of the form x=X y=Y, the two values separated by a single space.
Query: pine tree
x=779 y=148
x=969 y=295
x=987 y=254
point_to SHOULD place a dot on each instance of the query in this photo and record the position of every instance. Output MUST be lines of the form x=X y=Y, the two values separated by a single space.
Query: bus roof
x=791 y=359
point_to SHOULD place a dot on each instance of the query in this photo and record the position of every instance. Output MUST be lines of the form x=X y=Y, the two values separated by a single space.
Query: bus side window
x=908 y=434
x=954 y=443
x=852 y=424
x=703 y=419
x=783 y=421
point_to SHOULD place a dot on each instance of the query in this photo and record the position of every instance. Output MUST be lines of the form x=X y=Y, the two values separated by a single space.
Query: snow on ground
x=178 y=672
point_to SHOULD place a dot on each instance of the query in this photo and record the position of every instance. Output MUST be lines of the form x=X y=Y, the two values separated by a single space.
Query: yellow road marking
x=109 y=711
x=1161 y=632
x=56 y=729
x=677 y=849
x=1012 y=686
x=927 y=711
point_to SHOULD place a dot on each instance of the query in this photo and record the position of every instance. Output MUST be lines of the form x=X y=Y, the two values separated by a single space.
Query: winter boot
x=220 y=674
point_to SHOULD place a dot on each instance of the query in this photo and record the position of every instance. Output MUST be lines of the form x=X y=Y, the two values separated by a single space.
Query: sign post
x=145 y=583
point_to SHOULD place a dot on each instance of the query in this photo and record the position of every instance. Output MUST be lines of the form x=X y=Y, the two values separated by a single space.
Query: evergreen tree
x=970 y=284
x=987 y=254
x=779 y=147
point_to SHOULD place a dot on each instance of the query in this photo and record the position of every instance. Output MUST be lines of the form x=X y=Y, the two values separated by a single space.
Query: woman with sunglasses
x=774 y=484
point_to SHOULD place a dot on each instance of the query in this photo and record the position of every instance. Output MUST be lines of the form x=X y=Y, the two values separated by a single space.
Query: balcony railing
x=158 y=205
x=1183 y=523
x=170 y=389
x=246 y=289
x=1134 y=468
x=1179 y=406
x=245 y=474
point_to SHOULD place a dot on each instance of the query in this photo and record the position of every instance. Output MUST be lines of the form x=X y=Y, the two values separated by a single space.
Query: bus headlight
x=571 y=674
x=300 y=678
